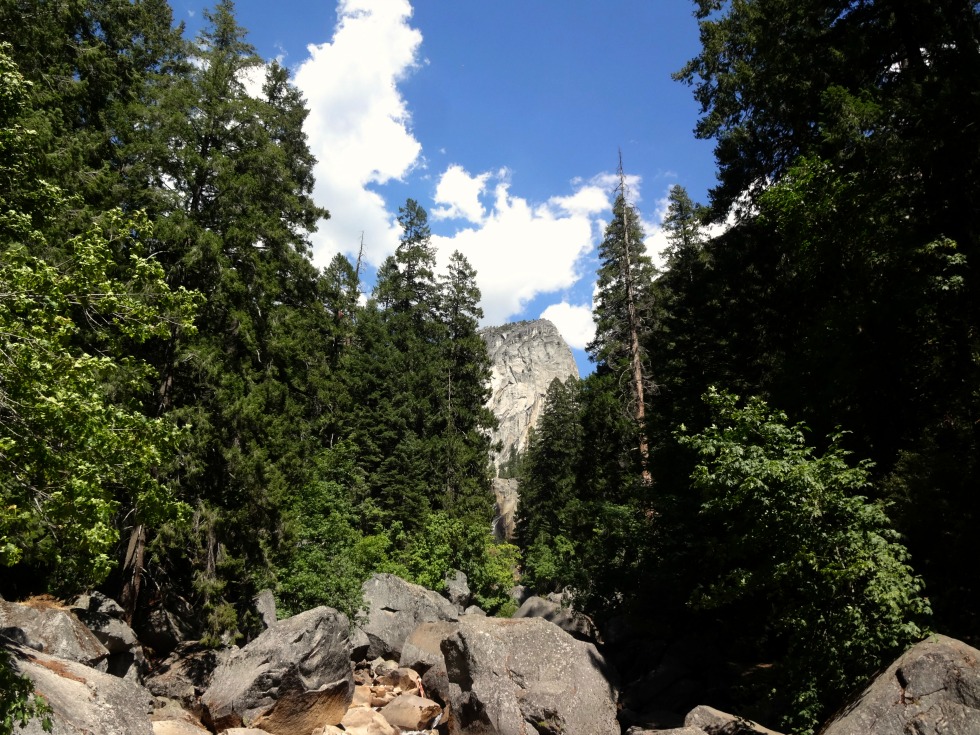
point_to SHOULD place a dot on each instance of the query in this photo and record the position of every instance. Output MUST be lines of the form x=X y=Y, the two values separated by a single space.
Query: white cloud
x=656 y=238
x=574 y=322
x=459 y=193
x=521 y=250
x=359 y=124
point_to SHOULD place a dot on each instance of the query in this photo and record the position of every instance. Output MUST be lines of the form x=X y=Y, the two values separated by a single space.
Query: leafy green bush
x=18 y=703
x=446 y=543
x=795 y=537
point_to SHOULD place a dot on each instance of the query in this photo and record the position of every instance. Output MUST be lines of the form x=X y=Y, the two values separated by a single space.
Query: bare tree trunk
x=636 y=358
x=133 y=571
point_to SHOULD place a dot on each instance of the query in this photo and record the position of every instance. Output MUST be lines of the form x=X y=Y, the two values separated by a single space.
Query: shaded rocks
x=510 y=677
x=395 y=609
x=185 y=675
x=295 y=677
x=934 y=687
x=104 y=617
x=574 y=623
x=53 y=630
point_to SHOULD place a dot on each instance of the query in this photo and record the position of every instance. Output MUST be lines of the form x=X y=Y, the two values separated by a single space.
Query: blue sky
x=503 y=119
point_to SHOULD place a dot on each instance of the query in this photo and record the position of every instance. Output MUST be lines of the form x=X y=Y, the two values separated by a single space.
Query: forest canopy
x=191 y=410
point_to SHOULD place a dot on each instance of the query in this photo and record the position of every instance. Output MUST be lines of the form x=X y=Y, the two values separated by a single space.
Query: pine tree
x=468 y=421
x=255 y=381
x=623 y=314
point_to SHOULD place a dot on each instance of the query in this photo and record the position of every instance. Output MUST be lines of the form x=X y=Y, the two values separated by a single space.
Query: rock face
x=395 y=609
x=933 y=688
x=83 y=700
x=295 y=677
x=54 y=631
x=505 y=493
x=511 y=677
x=526 y=357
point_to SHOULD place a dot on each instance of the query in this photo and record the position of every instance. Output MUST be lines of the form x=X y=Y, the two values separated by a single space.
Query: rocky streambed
x=421 y=663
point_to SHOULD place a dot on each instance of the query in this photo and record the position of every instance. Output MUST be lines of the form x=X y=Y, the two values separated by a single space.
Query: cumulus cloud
x=521 y=250
x=359 y=124
x=458 y=194
x=574 y=322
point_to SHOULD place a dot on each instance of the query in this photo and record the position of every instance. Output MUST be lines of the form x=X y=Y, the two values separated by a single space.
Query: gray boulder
x=933 y=688
x=395 y=609
x=511 y=677
x=572 y=622
x=422 y=652
x=296 y=676
x=716 y=722
x=264 y=604
x=104 y=617
x=55 y=631
x=458 y=590
x=83 y=701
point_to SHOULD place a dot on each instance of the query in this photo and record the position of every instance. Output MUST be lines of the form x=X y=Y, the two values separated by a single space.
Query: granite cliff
x=526 y=357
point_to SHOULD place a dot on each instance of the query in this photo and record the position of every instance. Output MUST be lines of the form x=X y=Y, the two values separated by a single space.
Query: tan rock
x=176 y=727
x=411 y=712
x=362 y=696
x=363 y=721
x=404 y=679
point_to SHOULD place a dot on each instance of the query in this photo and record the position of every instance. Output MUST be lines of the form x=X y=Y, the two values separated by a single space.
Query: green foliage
x=331 y=558
x=792 y=533
x=447 y=543
x=583 y=518
x=18 y=703
x=75 y=444
x=71 y=455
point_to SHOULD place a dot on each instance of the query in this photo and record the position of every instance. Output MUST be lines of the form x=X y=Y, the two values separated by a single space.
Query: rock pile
x=443 y=673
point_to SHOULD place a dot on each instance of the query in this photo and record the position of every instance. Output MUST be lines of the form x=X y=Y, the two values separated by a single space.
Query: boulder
x=395 y=609
x=510 y=677
x=264 y=604
x=404 y=679
x=294 y=677
x=423 y=653
x=177 y=727
x=458 y=590
x=104 y=617
x=934 y=687
x=572 y=622
x=412 y=712
x=83 y=700
x=53 y=630
x=363 y=721
x=716 y=722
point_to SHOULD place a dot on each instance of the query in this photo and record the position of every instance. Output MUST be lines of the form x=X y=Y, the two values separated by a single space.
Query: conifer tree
x=253 y=384
x=623 y=313
x=468 y=421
